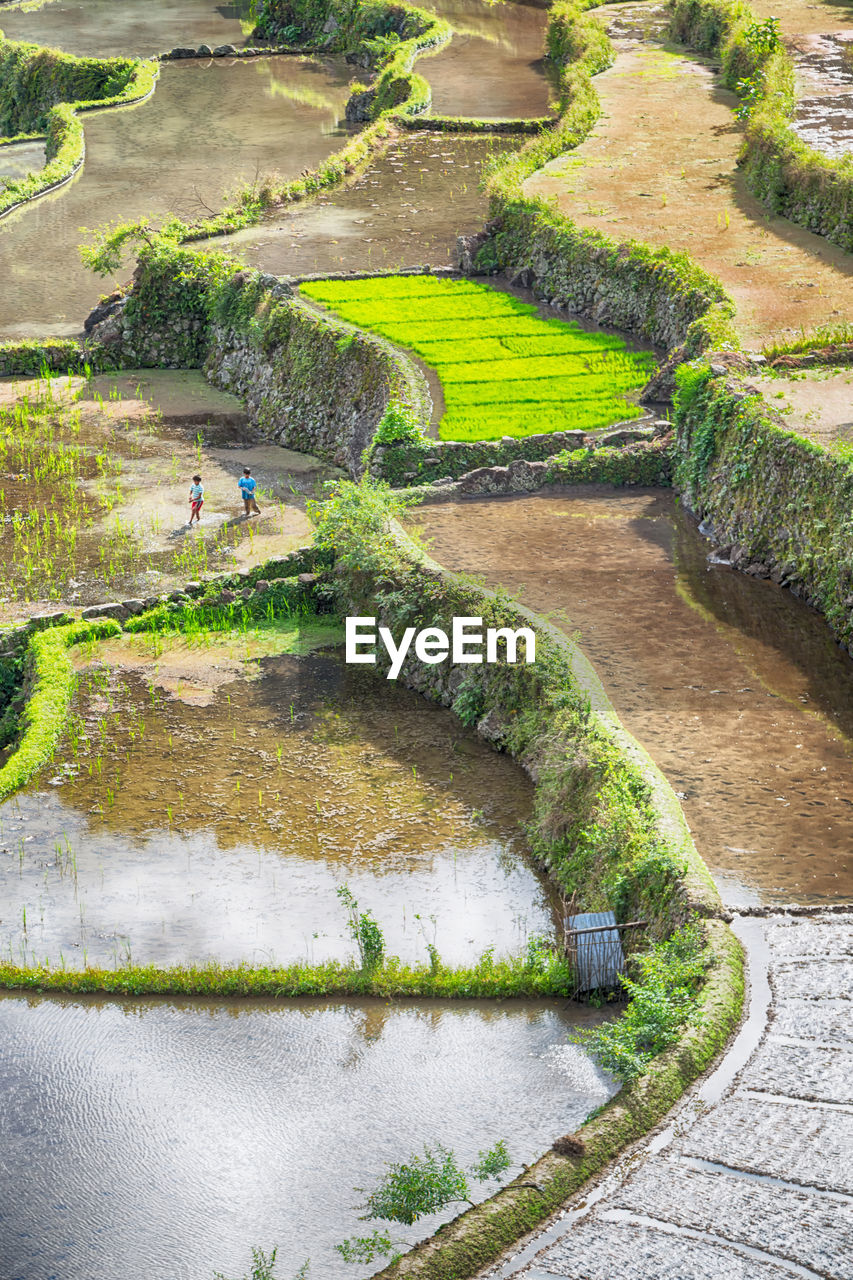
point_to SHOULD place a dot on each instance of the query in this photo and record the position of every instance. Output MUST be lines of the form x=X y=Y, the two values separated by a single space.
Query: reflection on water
x=406 y=209
x=130 y=28
x=208 y=128
x=735 y=687
x=159 y=1141
x=494 y=65
x=223 y=830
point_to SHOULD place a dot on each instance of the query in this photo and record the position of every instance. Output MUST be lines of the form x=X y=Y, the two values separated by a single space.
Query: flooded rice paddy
x=208 y=128
x=157 y=1141
x=735 y=687
x=195 y=814
x=100 y=27
x=407 y=208
x=493 y=68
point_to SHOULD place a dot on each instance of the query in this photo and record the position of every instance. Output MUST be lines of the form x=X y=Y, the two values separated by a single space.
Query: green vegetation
x=419 y=1186
x=664 y=997
x=787 y=175
x=504 y=371
x=781 y=501
x=491 y=978
x=45 y=714
x=595 y=825
x=41 y=90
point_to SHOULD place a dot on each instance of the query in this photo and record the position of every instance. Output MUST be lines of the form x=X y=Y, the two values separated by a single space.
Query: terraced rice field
x=504 y=371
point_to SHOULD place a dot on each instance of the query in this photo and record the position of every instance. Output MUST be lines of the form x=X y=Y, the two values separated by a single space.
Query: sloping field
x=504 y=370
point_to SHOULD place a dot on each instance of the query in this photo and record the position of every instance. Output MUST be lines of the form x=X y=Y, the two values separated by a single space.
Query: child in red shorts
x=196 y=500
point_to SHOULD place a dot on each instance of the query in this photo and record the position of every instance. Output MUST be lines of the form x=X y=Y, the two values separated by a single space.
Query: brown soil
x=661 y=168
x=816 y=404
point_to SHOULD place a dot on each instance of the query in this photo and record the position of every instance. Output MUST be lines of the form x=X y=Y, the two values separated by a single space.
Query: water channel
x=735 y=687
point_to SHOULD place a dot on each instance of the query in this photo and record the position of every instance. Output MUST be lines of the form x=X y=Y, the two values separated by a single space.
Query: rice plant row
x=504 y=370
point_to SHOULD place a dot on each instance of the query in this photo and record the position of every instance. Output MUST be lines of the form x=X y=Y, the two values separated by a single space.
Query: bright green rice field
x=504 y=370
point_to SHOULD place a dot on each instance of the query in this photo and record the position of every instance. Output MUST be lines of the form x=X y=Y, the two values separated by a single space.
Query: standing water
x=734 y=686
x=208 y=128
x=158 y=1141
x=208 y=816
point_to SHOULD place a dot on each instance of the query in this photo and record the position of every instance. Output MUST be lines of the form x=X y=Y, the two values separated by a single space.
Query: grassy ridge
x=490 y=979
x=504 y=371
x=41 y=90
x=52 y=678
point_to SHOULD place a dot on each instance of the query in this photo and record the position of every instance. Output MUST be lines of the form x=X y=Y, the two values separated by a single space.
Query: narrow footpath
x=751 y=1179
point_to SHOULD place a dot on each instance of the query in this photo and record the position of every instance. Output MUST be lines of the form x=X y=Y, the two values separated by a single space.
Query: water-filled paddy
x=208 y=128
x=735 y=687
x=493 y=68
x=405 y=209
x=158 y=1141
x=100 y=27
x=207 y=815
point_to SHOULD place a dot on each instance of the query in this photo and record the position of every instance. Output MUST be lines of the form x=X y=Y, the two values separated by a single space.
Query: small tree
x=365 y=931
x=422 y=1185
x=263 y=1267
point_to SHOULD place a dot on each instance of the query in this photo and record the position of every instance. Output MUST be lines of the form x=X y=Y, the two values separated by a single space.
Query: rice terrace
x=426 y=654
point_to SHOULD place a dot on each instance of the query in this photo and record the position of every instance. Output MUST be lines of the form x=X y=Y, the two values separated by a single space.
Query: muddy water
x=407 y=208
x=208 y=127
x=735 y=687
x=493 y=67
x=130 y=28
x=824 y=112
x=19 y=158
x=223 y=830
x=159 y=1141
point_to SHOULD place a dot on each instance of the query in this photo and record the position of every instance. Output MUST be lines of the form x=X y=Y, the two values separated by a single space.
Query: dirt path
x=751 y=1178
x=661 y=168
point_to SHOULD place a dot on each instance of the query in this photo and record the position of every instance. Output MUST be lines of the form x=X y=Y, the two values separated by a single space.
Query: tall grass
x=504 y=371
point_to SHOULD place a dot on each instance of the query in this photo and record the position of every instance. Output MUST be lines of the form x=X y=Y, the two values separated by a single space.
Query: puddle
x=494 y=67
x=129 y=29
x=406 y=209
x=817 y=403
x=159 y=1141
x=675 y=183
x=222 y=830
x=735 y=687
x=106 y=514
x=207 y=128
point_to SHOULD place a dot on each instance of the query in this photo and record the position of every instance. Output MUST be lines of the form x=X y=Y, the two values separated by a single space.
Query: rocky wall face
x=311 y=393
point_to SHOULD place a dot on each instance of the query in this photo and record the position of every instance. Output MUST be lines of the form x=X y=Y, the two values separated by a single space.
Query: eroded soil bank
x=209 y=800
x=735 y=688
x=160 y=1140
x=660 y=167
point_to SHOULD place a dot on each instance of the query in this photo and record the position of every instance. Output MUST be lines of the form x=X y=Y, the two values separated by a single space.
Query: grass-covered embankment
x=788 y=176
x=607 y=827
x=49 y=674
x=779 y=503
x=41 y=93
x=504 y=371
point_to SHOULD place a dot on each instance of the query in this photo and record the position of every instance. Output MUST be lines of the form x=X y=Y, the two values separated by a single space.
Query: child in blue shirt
x=247 y=485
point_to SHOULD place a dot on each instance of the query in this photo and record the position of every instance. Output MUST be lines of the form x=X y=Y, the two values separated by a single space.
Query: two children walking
x=247 y=486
